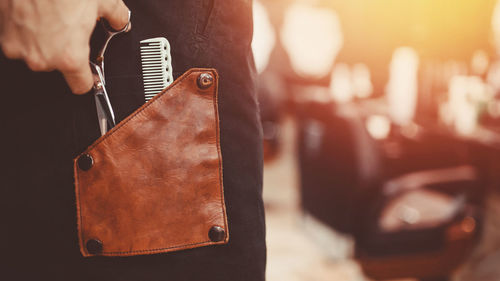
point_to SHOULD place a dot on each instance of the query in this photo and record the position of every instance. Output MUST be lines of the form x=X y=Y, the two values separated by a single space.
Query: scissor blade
x=101 y=117
x=104 y=112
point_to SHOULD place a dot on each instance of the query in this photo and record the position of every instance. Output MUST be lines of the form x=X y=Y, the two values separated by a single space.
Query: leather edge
x=121 y=124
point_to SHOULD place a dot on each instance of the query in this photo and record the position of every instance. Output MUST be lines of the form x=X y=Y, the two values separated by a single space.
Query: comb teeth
x=156 y=66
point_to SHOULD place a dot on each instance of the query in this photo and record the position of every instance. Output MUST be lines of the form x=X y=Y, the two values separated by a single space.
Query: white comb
x=156 y=66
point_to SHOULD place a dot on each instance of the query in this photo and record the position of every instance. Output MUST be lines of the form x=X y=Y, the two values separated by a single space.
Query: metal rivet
x=216 y=233
x=85 y=162
x=94 y=246
x=205 y=80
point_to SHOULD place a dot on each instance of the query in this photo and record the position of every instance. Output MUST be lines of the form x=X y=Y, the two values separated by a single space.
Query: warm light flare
x=378 y=126
x=361 y=81
x=340 y=83
x=264 y=36
x=402 y=87
x=312 y=37
x=467 y=97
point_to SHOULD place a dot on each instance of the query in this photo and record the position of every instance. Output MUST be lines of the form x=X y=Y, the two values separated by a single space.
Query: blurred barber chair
x=336 y=158
x=422 y=225
x=412 y=217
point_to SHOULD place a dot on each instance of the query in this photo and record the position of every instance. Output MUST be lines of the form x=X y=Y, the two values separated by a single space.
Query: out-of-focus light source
x=402 y=86
x=264 y=36
x=340 y=83
x=312 y=37
x=361 y=81
x=378 y=126
x=480 y=62
x=466 y=98
x=463 y=112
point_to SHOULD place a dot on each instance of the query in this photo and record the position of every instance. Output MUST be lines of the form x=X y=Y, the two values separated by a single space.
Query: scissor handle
x=104 y=108
x=110 y=32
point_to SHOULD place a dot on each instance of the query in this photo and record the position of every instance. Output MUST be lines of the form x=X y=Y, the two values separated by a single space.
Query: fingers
x=77 y=73
x=73 y=65
x=115 y=12
x=80 y=81
x=12 y=50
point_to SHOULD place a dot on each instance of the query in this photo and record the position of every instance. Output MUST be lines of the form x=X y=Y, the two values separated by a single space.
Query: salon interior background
x=381 y=123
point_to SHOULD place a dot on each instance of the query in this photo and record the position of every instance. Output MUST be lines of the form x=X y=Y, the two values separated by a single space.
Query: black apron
x=44 y=127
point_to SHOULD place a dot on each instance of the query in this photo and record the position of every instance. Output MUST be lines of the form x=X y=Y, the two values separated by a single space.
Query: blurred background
x=381 y=124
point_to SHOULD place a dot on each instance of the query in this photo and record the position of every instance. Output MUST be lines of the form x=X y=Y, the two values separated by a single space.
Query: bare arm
x=54 y=34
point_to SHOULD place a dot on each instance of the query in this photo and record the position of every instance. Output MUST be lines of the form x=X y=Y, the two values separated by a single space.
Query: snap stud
x=205 y=80
x=85 y=162
x=94 y=246
x=216 y=233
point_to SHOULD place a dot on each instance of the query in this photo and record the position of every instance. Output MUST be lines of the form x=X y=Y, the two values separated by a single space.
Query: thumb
x=80 y=80
x=115 y=12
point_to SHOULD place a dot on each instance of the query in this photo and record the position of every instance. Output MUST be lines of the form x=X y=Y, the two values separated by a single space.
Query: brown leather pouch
x=153 y=183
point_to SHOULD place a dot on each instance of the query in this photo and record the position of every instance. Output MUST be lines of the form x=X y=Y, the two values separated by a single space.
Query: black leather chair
x=350 y=184
x=422 y=225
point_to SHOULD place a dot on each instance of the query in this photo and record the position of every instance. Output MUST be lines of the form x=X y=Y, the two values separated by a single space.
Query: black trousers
x=44 y=127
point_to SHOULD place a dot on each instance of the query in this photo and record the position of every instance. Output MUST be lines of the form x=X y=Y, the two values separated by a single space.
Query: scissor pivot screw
x=205 y=80
x=98 y=85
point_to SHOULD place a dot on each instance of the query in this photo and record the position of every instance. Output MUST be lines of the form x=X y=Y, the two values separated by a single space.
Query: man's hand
x=54 y=34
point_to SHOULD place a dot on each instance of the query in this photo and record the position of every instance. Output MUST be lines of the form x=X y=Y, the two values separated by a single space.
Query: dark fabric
x=44 y=127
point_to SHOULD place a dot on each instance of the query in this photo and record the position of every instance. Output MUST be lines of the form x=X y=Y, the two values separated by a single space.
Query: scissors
x=105 y=112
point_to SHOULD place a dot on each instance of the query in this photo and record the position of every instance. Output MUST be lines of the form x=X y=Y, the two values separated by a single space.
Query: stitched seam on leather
x=79 y=206
x=158 y=249
x=219 y=152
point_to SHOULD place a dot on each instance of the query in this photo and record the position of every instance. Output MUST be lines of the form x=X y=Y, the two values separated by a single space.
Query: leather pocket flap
x=153 y=183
